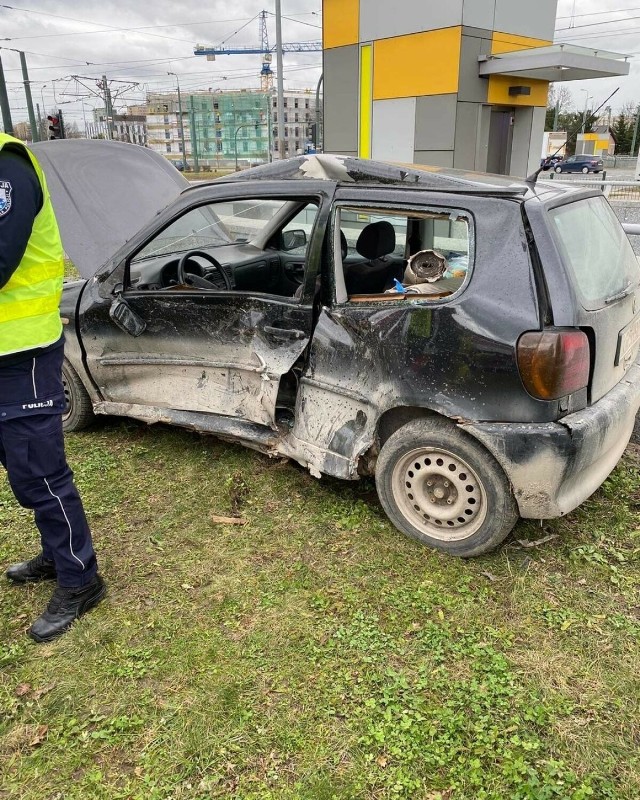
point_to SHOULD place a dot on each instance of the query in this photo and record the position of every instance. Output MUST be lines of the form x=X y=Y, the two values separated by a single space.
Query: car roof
x=348 y=170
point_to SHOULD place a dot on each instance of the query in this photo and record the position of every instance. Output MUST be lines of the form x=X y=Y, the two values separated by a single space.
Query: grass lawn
x=207 y=175
x=315 y=652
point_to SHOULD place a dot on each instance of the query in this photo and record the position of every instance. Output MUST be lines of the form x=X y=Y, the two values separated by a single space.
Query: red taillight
x=553 y=364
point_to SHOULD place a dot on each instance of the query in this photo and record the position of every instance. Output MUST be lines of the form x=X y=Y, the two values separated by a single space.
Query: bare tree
x=22 y=130
x=560 y=96
x=71 y=131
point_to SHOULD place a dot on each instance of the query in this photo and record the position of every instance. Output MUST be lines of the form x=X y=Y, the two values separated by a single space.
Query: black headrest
x=376 y=240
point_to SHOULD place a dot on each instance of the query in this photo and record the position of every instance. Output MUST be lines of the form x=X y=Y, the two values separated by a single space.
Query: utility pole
x=281 y=128
x=4 y=104
x=635 y=131
x=556 y=113
x=108 y=108
x=181 y=128
x=27 y=91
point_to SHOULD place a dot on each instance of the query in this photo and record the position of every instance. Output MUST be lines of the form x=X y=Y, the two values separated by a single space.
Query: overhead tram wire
x=596 y=24
x=149 y=27
x=107 y=28
x=597 y=13
x=132 y=30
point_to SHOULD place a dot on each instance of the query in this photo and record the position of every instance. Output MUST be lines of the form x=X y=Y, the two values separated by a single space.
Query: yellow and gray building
x=459 y=83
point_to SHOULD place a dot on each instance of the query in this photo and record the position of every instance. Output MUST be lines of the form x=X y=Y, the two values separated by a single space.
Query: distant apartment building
x=224 y=128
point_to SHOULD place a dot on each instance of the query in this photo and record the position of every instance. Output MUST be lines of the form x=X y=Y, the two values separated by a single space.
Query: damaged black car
x=468 y=340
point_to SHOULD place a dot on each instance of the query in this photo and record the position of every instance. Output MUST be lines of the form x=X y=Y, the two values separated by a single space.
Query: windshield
x=213 y=225
x=596 y=249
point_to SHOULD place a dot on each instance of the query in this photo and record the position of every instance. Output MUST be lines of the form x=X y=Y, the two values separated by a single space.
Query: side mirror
x=292 y=240
x=126 y=318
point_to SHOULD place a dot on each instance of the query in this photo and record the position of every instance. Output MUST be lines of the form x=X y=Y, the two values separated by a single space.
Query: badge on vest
x=5 y=198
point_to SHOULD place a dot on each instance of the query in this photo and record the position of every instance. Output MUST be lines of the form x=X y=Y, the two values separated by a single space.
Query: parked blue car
x=582 y=163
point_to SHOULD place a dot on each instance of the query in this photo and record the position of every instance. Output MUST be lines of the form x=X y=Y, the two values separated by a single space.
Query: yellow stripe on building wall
x=499 y=85
x=366 y=100
x=418 y=64
x=340 y=23
x=498 y=92
x=509 y=42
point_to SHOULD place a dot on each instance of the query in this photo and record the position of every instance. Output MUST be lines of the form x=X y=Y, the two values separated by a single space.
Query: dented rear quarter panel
x=454 y=357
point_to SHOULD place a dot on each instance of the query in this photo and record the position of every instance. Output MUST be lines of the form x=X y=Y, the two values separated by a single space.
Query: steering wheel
x=199 y=280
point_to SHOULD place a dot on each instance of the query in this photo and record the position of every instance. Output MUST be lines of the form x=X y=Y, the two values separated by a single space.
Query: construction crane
x=265 y=50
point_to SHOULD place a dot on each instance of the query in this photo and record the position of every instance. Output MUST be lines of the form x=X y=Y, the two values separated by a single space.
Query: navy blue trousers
x=32 y=452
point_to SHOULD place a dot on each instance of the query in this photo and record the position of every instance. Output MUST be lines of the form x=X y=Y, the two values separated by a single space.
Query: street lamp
x=235 y=135
x=184 y=151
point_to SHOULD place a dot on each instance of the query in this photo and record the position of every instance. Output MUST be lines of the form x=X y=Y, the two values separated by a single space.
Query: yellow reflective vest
x=29 y=301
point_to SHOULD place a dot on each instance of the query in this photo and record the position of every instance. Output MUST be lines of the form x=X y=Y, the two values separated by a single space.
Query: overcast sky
x=64 y=38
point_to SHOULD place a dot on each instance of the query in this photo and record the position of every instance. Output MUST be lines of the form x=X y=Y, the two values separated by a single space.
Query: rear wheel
x=78 y=413
x=440 y=486
x=585 y=170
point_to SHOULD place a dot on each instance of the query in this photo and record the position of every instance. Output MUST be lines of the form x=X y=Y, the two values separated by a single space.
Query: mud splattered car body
x=508 y=389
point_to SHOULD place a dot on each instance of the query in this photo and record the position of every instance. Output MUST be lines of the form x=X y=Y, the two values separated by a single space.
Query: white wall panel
x=394 y=125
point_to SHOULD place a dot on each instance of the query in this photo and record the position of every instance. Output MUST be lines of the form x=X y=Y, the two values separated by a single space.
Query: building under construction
x=224 y=128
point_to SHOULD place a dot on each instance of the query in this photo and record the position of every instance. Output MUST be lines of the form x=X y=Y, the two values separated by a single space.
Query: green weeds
x=314 y=653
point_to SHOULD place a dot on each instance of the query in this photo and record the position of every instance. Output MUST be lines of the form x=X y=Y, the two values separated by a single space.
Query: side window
x=250 y=245
x=392 y=255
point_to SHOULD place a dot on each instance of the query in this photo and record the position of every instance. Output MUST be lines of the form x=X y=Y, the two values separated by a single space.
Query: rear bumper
x=554 y=467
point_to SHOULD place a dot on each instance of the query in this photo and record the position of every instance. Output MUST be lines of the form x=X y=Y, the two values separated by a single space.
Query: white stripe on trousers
x=68 y=523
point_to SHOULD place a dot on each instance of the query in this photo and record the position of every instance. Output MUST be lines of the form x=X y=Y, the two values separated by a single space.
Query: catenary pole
x=181 y=128
x=281 y=127
x=35 y=133
x=4 y=104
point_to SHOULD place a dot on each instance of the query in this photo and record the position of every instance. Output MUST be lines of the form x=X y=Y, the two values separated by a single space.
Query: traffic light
x=56 y=126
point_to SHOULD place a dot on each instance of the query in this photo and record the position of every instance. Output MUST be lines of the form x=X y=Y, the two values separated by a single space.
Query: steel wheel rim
x=439 y=493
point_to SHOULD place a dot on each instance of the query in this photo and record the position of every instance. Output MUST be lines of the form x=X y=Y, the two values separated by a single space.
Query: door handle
x=283 y=333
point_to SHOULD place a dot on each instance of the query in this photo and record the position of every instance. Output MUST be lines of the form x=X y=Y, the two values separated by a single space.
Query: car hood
x=103 y=193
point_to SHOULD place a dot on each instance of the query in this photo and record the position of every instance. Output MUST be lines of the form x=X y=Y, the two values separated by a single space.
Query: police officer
x=32 y=397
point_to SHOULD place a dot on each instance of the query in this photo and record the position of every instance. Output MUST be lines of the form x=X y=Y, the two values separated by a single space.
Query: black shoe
x=37 y=569
x=65 y=606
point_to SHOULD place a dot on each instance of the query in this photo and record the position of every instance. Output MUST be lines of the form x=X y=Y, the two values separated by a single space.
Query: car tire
x=585 y=170
x=558 y=169
x=472 y=508
x=78 y=413
x=596 y=171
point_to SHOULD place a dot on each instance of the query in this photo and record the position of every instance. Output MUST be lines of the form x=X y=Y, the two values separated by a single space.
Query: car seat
x=375 y=243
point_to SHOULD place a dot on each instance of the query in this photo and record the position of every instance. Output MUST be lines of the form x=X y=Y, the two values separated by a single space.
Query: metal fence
x=614 y=191
x=620 y=162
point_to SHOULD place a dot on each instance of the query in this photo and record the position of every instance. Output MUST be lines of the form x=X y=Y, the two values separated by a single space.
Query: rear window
x=596 y=249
